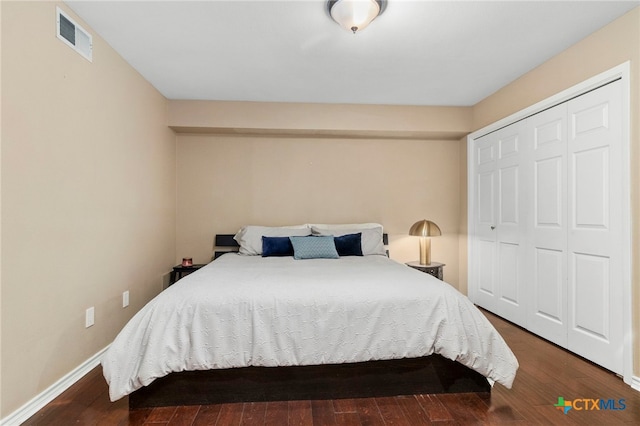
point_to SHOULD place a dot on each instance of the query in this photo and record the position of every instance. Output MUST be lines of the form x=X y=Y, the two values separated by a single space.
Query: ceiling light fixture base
x=355 y=15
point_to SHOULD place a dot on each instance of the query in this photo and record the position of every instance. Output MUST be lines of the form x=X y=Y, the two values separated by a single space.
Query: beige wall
x=296 y=172
x=226 y=182
x=88 y=199
x=614 y=44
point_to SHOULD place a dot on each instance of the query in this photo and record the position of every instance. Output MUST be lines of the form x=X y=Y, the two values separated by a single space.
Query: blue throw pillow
x=276 y=246
x=349 y=244
x=314 y=247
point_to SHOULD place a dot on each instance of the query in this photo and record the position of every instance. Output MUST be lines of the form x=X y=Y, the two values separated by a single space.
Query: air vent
x=73 y=35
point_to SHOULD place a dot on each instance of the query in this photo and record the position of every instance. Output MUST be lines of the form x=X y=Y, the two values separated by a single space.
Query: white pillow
x=346 y=226
x=250 y=237
x=371 y=235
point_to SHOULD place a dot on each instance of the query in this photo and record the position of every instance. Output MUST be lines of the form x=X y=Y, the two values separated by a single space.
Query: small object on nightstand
x=433 y=268
x=180 y=271
x=187 y=261
x=425 y=229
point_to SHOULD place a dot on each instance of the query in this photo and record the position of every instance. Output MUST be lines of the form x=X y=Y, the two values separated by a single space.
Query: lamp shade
x=425 y=228
x=354 y=15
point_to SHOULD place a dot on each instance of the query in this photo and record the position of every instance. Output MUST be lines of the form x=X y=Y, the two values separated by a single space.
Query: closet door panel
x=484 y=267
x=547 y=247
x=508 y=234
x=549 y=297
x=595 y=222
x=592 y=293
x=591 y=190
x=486 y=199
x=486 y=283
x=510 y=296
x=508 y=273
x=549 y=207
x=498 y=224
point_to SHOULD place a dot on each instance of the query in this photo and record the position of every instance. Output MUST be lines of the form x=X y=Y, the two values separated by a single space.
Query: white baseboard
x=49 y=394
x=635 y=383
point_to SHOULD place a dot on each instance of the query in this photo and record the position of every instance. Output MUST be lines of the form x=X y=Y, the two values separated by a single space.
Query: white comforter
x=250 y=311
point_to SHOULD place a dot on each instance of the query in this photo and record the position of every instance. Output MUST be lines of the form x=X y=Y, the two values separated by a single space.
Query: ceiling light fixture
x=355 y=15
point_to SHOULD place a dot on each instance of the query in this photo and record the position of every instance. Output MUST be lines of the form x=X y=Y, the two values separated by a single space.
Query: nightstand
x=434 y=268
x=180 y=271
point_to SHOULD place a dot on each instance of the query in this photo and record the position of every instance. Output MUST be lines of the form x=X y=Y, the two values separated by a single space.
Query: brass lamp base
x=425 y=250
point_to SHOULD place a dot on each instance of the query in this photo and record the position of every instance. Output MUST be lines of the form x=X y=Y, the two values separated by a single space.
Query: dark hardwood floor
x=546 y=373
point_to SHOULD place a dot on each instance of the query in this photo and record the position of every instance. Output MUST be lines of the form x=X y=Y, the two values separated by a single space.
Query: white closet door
x=595 y=221
x=499 y=226
x=547 y=246
x=549 y=215
x=485 y=220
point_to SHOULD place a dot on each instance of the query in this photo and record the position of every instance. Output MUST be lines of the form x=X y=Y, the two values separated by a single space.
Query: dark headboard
x=227 y=242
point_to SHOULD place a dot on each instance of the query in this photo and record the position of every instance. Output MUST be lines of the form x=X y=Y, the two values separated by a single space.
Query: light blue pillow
x=314 y=247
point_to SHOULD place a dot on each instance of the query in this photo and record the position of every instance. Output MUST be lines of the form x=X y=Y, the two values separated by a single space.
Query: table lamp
x=425 y=229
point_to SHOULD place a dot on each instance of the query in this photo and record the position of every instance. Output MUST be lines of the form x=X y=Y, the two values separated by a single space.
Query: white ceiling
x=418 y=52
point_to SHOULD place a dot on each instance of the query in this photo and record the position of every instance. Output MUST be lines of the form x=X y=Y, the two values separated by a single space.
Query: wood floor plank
x=277 y=413
x=137 y=417
x=160 y=415
x=115 y=413
x=300 y=413
x=207 y=415
x=346 y=405
x=436 y=411
x=368 y=412
x=184 y=415
x=391 y=412
x=348 y=419
x=460 y=412
x=230 y=414
x=101 y=404
x=513 y=400
x=70 y=405
x=254 y=413
x=413 y=410
x=498 y=411
x=475 y=406
x=323 y=413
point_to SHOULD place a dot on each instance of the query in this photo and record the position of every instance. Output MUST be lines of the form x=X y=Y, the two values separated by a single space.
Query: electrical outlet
x=89 y=318
x=125 y=299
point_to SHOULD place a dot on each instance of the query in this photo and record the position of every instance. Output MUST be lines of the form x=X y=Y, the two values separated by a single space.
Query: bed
x=252 y=328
